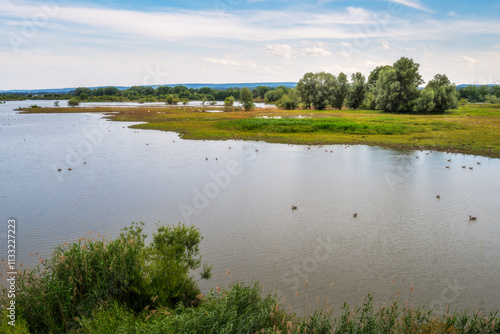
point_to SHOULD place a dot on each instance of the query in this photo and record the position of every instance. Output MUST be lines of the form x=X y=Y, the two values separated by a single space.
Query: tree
x=409 y=80
x=246 y=98
x=289 y=101
x=274 y=95
x=260 y=91
x=396 y=89
x=73 y=102
x=358 y=91
x=305 y=89
x=425 y=103
x=341 y=89
x=387 y=89
x=82 y=90
x=445 y=96
x=229 y=101
x=324 y=86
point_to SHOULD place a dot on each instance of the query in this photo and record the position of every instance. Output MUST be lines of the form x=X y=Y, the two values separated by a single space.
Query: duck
x=472 y=218
x=355 y=215
x=448 y=167
x=464 y=167
x=471 y=168
x=438 y=196
x=294 y=207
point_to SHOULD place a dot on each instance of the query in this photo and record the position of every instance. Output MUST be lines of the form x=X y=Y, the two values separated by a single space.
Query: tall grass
x=91 y=272
x=334 y=125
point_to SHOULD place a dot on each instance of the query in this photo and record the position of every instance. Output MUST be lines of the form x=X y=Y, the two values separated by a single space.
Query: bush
x=73 y=102
x=90 y=272
x=229 y=101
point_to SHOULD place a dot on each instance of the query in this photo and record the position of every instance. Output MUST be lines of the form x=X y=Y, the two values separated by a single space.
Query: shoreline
x=471 y=129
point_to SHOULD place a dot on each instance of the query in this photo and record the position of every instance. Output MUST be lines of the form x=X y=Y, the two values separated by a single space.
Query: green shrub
x=90 y=272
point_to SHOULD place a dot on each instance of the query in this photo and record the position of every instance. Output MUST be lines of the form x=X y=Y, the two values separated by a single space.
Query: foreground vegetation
x=123 y=285
x=470 y=129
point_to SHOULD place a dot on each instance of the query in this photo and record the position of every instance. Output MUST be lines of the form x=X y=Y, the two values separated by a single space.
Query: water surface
x=241 y=198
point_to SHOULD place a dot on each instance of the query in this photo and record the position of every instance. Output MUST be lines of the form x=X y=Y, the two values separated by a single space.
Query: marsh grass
x=333 y=125
x=471 y=129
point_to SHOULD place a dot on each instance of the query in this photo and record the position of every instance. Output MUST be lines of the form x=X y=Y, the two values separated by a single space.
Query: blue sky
x=71 y=43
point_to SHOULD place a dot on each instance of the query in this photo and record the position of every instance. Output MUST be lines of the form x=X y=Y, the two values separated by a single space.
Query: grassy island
x=470 y=129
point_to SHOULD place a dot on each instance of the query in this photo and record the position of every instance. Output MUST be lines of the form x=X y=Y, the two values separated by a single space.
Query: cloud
x=314 y=51
x=242 y=65
x=385 y=44
x=469 y=60
x=413 y=4
x=346 y=44
x=406 y=49
x=280 y=50
x=452 y=13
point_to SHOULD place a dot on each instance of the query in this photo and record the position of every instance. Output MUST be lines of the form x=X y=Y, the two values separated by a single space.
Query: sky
x=85 y=43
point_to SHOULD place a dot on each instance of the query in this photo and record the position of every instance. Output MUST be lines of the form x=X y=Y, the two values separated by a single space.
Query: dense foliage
x=90 y=272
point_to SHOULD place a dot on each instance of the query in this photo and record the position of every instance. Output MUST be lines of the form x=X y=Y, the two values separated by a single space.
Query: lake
x=241 y=200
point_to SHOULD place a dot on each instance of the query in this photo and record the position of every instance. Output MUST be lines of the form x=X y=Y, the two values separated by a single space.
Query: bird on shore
x=472 y=218
x=449 y=160
x=448 y=167
x=355 y=215
x=471 y=168
x=438 y=196
x=479 y=162
x=464 y=167
x=294 y=207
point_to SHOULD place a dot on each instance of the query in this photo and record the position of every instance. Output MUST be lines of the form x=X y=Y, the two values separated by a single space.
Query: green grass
x=471 y=129
x=326 y=125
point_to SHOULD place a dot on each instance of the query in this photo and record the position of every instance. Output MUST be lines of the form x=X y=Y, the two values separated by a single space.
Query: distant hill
x=192 y=85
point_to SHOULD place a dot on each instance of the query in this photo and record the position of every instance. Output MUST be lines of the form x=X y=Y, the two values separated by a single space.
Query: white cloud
x=280 y=50
x=385 y=44
x=413 y=4
x=242 y=65
x=337 y=69
x=452 y=13
x=343 y=54
x=469 y=60
x=406 y=49
x=314 y=51
x=346 y=44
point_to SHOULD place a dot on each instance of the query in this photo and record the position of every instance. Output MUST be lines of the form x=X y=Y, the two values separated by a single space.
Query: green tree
x=305 y=89
x=425 y=102
x=229 y=101
x=358 y=91
x=341 y=89
x=289 y=101
x=82 y=90
x=73 y=102
x=397 y=86
x=274 y=95
x=445 y=96
x=260 y=91
x=409 y=79
x=246 y=98
x=324 y=89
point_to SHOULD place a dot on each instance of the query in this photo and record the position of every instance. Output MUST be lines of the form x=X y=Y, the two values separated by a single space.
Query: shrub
x=83 y=275
x=73 y=102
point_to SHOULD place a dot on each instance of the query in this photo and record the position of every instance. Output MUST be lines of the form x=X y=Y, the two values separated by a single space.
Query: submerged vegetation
x=124 y=285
